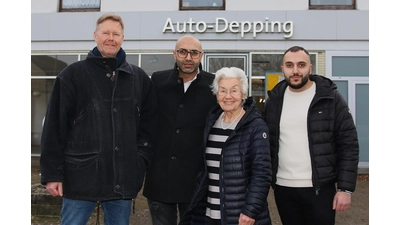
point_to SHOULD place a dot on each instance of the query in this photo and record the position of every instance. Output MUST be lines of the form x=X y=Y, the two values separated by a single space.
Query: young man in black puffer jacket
x=314 y=144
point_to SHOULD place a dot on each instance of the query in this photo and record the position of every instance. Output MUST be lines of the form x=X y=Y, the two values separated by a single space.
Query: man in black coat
x=99 y=129
x=314 y=144
x=185 y=99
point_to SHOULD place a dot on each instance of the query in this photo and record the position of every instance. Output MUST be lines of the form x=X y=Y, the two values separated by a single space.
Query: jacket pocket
x=81 y=161
x=83 y=114
x=81 y=174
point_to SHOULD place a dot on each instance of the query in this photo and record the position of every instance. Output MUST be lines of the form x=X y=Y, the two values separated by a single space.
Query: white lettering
x=244 y=29
x=217 y=25
x=275 y=24
x=183 y=30
x=234 y=27
x=168 y=26
x=288 y=28
x=222 y=25
x=255 y=30
x=191 y=25
x=201 y=24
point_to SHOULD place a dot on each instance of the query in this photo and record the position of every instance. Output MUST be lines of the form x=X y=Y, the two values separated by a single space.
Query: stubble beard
x=188 y=70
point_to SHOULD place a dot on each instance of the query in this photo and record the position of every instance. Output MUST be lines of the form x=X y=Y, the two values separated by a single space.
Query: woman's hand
x=245 y=220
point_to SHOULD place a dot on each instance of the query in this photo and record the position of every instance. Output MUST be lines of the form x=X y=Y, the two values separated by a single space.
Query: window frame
x=332 y=7
x=61 y=9
x=185 y=8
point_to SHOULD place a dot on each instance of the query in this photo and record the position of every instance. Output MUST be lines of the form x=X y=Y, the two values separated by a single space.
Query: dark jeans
x=301 y=206
x=166 y=213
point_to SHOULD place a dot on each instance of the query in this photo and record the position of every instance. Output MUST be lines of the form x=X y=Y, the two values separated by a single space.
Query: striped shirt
x=215 y=143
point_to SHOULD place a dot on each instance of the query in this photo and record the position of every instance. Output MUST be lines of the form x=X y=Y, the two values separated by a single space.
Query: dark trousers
x=166 y=213
x=302 y=206
x=210 y=221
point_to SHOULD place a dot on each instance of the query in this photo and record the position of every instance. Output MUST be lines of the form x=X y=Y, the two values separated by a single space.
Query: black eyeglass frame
x=186 y=52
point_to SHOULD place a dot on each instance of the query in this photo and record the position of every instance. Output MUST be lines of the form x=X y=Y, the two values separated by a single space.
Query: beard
x=186 y=70
x=304 y=80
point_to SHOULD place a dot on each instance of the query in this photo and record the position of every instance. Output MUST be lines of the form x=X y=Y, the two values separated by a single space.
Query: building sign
x=222 y=25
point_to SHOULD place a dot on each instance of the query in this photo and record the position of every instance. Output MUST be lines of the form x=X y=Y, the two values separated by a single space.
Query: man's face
x=109 y=37
x=296 y=68
x=187 y=64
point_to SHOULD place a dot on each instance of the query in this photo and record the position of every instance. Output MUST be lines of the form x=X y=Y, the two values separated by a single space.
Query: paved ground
x=358 y=214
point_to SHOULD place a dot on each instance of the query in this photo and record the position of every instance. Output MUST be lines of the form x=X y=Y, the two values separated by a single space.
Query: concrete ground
x=358 y=214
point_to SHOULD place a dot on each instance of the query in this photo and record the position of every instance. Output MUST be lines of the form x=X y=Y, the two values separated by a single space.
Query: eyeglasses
x=182 y=53
x=233 y=92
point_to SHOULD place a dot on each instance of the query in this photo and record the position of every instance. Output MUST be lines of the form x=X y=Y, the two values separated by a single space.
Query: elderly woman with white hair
x=234 y=185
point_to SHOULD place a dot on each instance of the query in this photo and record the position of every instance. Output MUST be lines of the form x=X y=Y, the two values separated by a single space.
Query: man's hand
x=341 y=201
x=54 y=188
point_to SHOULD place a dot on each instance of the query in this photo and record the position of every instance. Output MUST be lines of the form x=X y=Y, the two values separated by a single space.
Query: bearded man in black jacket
x=185 y=99
x=314 y=144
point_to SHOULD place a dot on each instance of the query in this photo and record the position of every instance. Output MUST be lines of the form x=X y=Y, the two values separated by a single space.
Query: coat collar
x=121 y=55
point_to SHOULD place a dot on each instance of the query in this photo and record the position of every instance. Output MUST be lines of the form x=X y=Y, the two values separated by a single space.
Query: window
x=44 y=69
x=332 y=4
x=79 y=5
x=151 y=63
x=202 y=5
x=50 y=65
x=350 y=66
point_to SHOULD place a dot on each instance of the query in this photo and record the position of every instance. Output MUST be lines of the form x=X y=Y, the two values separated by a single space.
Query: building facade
x=249 y=34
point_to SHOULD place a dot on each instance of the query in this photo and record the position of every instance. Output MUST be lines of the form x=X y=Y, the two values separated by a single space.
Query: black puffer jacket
x=332 y=135
x=245 y=172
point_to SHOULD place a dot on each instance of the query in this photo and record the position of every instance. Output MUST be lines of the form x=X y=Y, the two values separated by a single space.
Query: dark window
x=202 y=5
x=50 y=65
x=332 y=4
x=79 y=5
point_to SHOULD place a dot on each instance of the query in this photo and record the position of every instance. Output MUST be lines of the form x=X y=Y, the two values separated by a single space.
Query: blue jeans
x=166 y=213
x=78 y=212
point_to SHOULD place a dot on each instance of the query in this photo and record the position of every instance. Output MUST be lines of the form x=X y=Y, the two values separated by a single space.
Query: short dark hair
x=296 y=49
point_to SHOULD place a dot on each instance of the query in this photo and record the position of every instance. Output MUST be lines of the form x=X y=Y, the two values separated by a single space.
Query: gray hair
x=232 y=72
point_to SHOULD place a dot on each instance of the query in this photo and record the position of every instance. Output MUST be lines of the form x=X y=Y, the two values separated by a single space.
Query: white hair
x=231 y=72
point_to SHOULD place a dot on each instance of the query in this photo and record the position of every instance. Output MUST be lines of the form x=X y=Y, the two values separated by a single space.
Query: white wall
x=240 y=5
x=135 y=5
x=46 y=6
x=362 y=4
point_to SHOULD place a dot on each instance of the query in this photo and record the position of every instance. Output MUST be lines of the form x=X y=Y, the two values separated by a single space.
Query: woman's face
x=230 y=95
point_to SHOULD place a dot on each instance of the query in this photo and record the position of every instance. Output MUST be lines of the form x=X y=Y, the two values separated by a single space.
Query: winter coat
x=332 y=135
x=244 y=173
x=178 y=148
x=98 y=132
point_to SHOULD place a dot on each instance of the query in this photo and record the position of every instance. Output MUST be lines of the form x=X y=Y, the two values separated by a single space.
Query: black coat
x=98 y=133
x=178 y=148
x=332 y=134
x=244 y=173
